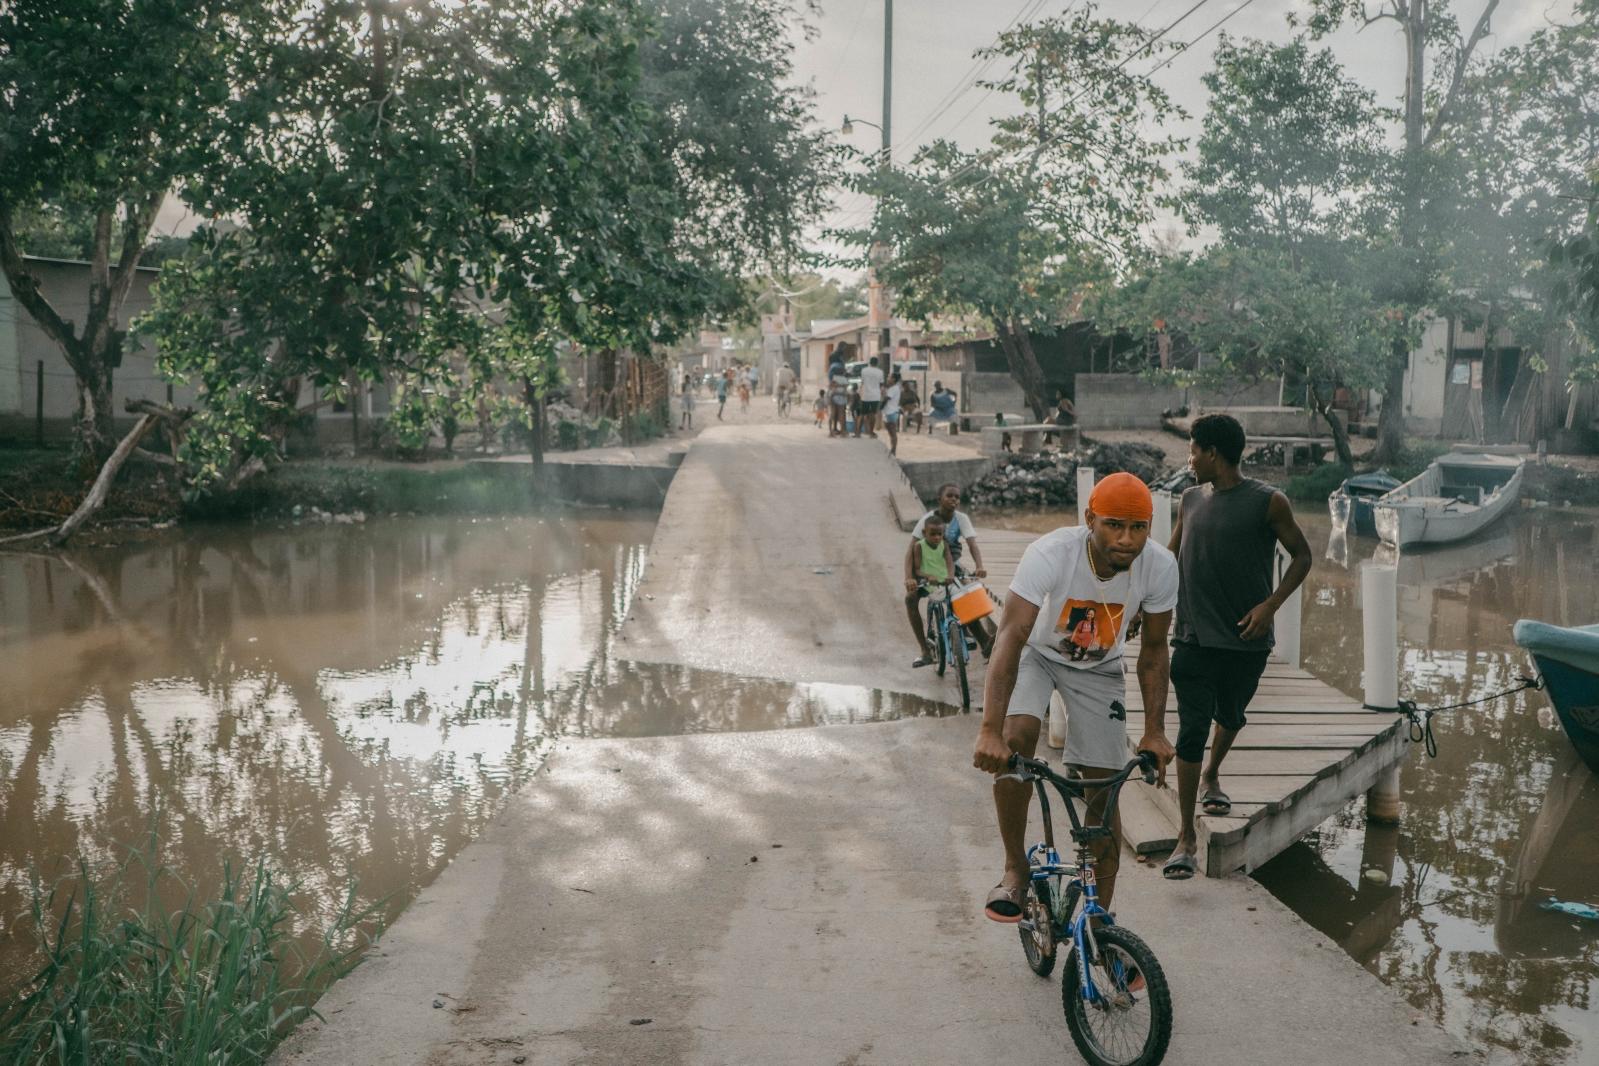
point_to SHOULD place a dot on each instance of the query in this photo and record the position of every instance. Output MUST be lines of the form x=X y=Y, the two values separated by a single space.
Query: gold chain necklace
x=1100 y=586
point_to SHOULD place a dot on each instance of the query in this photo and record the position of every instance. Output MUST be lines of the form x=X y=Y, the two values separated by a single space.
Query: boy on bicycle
x=1103 y=573
x=927 y=561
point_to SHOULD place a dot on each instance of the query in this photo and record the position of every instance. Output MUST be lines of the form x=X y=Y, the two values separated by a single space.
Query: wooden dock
x=1307 y=751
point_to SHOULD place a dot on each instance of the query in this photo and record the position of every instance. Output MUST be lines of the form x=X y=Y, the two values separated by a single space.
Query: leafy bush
x=569 y=436
x=1317 y=484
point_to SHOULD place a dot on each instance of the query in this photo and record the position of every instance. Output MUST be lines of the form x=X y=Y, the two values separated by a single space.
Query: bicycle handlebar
x=1144 y=761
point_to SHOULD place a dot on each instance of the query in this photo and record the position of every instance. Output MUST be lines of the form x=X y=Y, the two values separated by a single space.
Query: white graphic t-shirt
x=1082 y=621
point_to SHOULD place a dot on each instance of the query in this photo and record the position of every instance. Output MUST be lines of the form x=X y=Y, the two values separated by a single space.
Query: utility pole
x=888 y=75
x=885 y=341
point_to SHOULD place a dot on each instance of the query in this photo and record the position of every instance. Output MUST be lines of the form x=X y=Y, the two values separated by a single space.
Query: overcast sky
x=934 y=41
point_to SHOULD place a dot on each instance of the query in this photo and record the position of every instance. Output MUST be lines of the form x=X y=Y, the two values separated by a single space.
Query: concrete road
x=806 y=897
x=777 y=555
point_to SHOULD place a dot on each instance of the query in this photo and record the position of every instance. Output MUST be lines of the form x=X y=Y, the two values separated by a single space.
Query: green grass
x=125 y=979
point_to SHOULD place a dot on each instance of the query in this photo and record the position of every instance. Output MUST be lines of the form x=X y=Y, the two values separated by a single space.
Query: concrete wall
x=985 y=394
x=1426 y=379
x=926 y=475
x=23 y=346
x=1122 y=401
x=1243 y=394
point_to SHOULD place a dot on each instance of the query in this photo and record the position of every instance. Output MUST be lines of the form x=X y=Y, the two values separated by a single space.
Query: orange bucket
x=971 y=602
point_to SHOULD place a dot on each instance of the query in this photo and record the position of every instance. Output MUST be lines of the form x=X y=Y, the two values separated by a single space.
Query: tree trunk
x=1023 y=364
x=535 y=402
x=1340 y=436
x=96 y=434
x=1391 y=420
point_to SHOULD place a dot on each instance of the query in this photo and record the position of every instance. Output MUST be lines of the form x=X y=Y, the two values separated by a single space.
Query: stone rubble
x=1050 y=476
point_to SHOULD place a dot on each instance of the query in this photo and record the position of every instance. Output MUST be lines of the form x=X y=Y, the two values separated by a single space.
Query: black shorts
x=1212 y=684
x=869 y=407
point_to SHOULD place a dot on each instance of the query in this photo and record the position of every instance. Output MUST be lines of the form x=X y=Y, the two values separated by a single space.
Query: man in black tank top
x=1226 y=536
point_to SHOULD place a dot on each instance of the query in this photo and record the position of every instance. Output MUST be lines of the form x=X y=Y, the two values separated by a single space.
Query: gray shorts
x=1093 y=736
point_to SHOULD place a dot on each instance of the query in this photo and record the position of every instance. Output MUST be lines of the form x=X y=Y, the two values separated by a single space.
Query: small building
x=1463 y=385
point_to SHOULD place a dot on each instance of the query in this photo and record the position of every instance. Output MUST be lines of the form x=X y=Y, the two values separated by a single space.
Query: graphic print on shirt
x=1087 y=629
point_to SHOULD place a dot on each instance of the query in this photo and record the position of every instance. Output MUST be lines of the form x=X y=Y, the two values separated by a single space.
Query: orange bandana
x=1122 y=496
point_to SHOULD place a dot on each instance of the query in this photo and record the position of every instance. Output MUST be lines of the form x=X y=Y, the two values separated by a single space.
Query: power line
x=974 y=73
x=1145 y=47
x=1214 y=26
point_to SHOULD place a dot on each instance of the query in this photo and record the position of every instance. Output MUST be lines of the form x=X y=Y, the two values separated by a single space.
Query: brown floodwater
x=1503 y=819
x=351 y=703
x=354 y=703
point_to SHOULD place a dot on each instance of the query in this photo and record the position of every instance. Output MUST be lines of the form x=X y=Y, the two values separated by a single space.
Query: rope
x=1419 y=719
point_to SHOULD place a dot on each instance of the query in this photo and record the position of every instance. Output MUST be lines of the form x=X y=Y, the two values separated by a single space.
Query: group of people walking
x=1203 y=605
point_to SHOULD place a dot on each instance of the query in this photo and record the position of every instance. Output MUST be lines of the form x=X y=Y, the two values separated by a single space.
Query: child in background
x=927 y=562
x=820 y=407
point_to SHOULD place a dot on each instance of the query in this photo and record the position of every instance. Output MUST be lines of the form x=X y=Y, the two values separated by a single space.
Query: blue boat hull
x=1575 y=695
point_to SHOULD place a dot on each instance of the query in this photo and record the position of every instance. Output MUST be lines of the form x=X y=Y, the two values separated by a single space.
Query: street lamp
x=849 y=125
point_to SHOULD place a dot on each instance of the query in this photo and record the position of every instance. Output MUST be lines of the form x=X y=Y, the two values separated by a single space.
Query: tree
x=1288 y=162
x=1252 y=313
x=1526 y=136
x=104 y=104
x=1017 y=233
x=1427 y=114
x=448 y=193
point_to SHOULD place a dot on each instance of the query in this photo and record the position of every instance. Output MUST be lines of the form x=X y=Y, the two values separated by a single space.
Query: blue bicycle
x=1114 y=993
x=949 y=640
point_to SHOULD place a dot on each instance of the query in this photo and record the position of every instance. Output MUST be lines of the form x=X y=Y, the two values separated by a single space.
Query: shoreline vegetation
x=132 y=966
x=41 y=486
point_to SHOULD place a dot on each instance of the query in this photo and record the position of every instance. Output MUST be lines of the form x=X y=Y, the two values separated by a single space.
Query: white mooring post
x=1160 y=528
x=1379 y=602
x=1085 y=485
x=1289 y=621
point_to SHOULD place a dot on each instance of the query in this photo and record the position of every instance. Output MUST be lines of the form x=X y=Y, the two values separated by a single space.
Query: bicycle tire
x=961 y=655
x=1115 y=939
x=1038 y=944
x=935 y=629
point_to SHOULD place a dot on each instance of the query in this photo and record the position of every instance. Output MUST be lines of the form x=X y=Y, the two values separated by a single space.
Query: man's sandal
x=1180 y=867
x=1004 y=904
x=1215 y=803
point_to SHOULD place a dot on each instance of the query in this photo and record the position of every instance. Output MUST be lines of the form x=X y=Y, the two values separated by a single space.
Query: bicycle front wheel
x=1038 y=943
x=935 y=629
x=1125 y=1019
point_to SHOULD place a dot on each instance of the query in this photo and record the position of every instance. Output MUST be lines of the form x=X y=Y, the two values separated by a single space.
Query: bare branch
x=1478 y=32
x=102 y=484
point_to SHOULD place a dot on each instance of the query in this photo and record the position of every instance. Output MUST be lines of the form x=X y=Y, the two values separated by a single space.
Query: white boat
x=1459 y=494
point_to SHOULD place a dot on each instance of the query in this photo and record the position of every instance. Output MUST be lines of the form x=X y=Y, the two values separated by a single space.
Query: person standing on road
x=785 y=387
x=1226 y=536
x=1107 y=566
x=686 y=419
x=744 y=389
x=723 y=384
x=837 y=398
x=891 y=395
x=871 y=398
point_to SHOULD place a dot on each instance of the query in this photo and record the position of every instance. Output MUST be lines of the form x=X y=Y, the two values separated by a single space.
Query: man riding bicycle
x=1104 y=573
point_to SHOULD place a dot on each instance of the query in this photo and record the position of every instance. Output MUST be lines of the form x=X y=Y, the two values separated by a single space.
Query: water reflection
x=346 y=701
x=1449 y=929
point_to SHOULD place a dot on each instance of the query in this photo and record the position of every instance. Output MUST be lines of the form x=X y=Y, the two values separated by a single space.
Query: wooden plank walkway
x=1307 y=751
